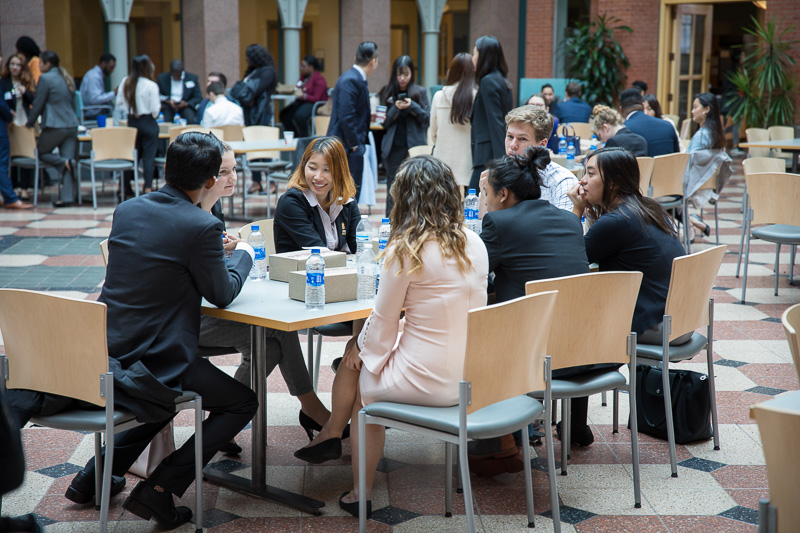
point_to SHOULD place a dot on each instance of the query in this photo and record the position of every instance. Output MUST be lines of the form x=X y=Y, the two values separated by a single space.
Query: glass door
x=690 y=59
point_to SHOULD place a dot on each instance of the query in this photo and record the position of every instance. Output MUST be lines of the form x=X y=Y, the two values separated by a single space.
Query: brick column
x=787 y=14
x=539 y=39
x=21 y=17
x=366 y=20
x=211 y=38
x=501 y=19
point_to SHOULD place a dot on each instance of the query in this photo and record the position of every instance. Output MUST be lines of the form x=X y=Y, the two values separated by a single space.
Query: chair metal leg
x=105 y=499
x=793 y=250
x=526 y=460
x=465 y=481
x=94 y=188
x=37 y=174
x=551 y=471
x=198 y=464
x=615 y=414
x=553 y=411
x=459 y=486
x=637 y=488
x=310 y=355
x=98 y=469
x=716 y=220
x=362 y=474
x=685 y=216
x=603 y=399
x=448 y=479
x=746 y=257
x=745 y=211
x=777 y=265
x=566 y=406
x=317 y=361
x=712 y=386
x=668 y=395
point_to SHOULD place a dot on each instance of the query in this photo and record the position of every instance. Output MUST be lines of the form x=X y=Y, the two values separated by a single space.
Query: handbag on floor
x=691 y=404
x=161 y=446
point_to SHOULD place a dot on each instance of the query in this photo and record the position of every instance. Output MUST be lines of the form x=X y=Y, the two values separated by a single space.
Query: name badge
x=8 y=95
x=189 y=84
x=344 y=231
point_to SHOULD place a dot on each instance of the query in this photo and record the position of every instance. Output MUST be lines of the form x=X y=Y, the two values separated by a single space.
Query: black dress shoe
x=231 y=448
x=81 y=489
x=310 y=426
x=60 y=203
x=147 y=502
x=581 y=438
x=352 y=507
x=335 y=364
x=326 y=450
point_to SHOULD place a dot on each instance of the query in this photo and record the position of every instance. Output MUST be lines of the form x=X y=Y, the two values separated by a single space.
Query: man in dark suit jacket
x=350 y=115
x=180 y=93
x=572 y=109
x=659 y=134
x=625 y=138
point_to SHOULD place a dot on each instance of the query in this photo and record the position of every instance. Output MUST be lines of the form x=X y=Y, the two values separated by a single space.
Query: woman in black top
x=318 y=209
x=629 y=232
x=492 y=103
x=260 y=68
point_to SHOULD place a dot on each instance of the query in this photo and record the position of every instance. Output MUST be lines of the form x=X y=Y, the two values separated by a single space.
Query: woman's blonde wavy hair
x=427 y=206
x=602 y=114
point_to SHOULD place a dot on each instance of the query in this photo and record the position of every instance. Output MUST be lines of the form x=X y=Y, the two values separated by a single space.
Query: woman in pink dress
x=436 y=270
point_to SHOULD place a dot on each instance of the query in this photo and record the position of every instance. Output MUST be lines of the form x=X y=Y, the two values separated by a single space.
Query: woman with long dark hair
x=451 y=109
x=138 y=97
x=628 y=232
x=652 y=107
x=494 y=100
x=407 y=118
x=262 y=78
x=295 y=117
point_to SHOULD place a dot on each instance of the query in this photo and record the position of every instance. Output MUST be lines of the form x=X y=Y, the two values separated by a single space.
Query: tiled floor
x=57 y=251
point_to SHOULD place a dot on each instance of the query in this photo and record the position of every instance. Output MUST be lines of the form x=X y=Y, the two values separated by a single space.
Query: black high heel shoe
x=326 y=450
x=352 y=507
x=310 y=426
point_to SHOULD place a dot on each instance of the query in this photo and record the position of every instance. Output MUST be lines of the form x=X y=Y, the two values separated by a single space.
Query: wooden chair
x=674 y=118
x=666 y=186
x=424 y=149
x=265 y=227
x=606 y=338
x=772 y=199
x=685 y=132
x=582 y=129
x=320 y=123
x=753 y=165
x=104 y=251
x=505 y=359
x=689 y=307
x=791 y=323
x=264 y=161
x=24 y=154
x=113 y=150
x=231 y=133
x=779 y=424
x=70 y=358
x=782 y=133
x=758 y=135
x=645 y=173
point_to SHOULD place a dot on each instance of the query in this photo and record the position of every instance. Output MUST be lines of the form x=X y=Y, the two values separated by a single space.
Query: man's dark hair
x=642 y=86
x=630 y=98
x=105 y=58
x=221 y=77
x=546 y=86
x=176 y=65
x=217 y=88
x=192 y=159
x=365 y=53
x=574 y=89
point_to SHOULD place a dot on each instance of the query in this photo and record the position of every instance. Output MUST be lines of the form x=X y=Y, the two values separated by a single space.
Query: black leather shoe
x=310 y=426
x=147 y=502
x=231 y=448
x=352 y=507
x=81 y=489
x=584 y=438
x=326 y=450
x=335 y=364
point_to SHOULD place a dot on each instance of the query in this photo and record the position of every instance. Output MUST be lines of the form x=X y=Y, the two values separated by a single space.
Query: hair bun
x=536 y=158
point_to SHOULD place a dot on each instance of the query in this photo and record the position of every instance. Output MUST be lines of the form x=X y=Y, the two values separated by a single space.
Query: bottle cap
x=572 y=144
x=253 y=227
x=384 y=221
x=471 y=191
x=315 y=251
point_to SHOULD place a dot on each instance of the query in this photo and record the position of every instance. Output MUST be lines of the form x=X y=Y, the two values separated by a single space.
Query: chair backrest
x=609 y=298
x=780 y=133
x=113 y=143
x=265 y=227
x=645 y=173
x=668 y=173
x=773 y=197
x=690 y=288
x=22 y=140
x=54 y=344
x=321 y=123
x=232 y=133
x=582 y=129
x=763 y=164
x=779 y=424
x=757 y=135
x=506 y=347
x=424 y=149
x=791 y=323
x=262 y=133
x=686 y=129
x=674 y=118
x=104 y=251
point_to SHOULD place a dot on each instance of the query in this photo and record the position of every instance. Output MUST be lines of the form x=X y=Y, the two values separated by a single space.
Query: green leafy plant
x=596 y=58
x=763 y=86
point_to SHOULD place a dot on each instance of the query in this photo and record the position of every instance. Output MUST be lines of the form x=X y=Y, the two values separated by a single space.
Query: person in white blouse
x=221 y=111
x=138 y=97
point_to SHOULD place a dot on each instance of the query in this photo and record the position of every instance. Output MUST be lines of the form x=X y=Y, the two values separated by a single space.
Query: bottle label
x=315 y=279
x=260 y=252
x=362 y=238
x=471 y=214
x=377 y=282
x=382 y=243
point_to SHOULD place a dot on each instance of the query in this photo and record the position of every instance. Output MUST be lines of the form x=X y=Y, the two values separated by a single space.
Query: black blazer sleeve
x=492 y=239
x=215 y=281
x=350 y=216
x=345 y=104
x=497 y=103
x=295 y=226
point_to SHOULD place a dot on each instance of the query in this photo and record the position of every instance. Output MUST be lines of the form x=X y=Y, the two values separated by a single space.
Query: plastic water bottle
x=258 y=242
x=367 y=275
x=383 y=238
x=315 y=281
x=593 y=146
x=562 y=145
x=160 y=118
x=570 y=156
x=176 y=119
x=363 y=235
x=471 y=204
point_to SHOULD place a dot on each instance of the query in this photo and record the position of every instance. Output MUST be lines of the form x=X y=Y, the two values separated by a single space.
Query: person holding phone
x=407 y=118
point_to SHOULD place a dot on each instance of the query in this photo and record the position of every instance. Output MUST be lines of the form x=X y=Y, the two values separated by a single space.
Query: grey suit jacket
x=54 y=102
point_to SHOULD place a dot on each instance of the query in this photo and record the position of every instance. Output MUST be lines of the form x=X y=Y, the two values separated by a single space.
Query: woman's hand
x=578 y=197
x=351 y=357
x=21 y=89
x=403 y=104
x=229 y=242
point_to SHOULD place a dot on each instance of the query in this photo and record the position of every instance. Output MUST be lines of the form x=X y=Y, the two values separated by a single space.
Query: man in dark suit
x=573 y=109
x=180 y=93
x=351 y=111
x=659 y=134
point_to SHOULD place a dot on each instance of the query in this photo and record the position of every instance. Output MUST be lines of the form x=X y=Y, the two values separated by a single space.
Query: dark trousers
x=187 y=112
x=146 y=144
x=65 y=139
x=391 y=163
x=7 y=191
x=295 y=117
x=355 y=160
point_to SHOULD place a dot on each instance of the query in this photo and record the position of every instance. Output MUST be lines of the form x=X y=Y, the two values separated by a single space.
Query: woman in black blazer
x=318 y=209
x=492 y=103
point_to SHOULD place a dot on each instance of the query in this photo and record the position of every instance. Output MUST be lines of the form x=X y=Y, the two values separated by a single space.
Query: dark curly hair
x=257 y=56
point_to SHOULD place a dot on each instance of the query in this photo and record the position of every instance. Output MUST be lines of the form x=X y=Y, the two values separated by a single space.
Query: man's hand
x=171 y=104
x=484 y=180
x=351 y=357
x=182 y=105
x=229 y=242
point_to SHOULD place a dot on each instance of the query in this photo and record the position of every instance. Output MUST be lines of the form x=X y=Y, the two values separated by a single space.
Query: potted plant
x=596 y=58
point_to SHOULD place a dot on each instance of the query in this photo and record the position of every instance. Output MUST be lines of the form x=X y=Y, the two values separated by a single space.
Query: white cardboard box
x=280 y=265
x=341 y=285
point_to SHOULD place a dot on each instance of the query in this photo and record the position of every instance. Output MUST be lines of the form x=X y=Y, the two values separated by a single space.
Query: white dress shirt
x=557 y=181
x=147 y=100
x=176 y=88
x=222 y=112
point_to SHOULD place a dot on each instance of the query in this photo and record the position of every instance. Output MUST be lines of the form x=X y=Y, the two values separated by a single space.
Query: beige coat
x=452 y=143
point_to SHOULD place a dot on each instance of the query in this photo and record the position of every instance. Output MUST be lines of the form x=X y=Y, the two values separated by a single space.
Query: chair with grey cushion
x=113 y=150
x=505 y=359
x=24 y=154
x=689 y=307
x=69 y=358
x=265 y=161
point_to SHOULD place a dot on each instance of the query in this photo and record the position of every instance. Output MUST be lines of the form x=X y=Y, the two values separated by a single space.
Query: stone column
x=117 y=14
x=501 y=19
x=430 y=11
x=366 y=20
x=210 y=38
x=291 y=12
